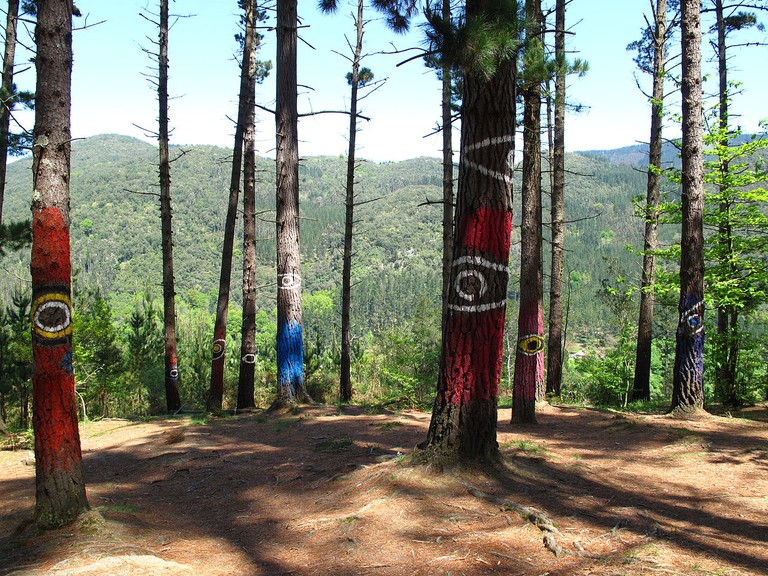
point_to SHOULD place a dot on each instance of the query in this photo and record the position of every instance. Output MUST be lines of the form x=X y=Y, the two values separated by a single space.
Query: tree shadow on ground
x=320 y=493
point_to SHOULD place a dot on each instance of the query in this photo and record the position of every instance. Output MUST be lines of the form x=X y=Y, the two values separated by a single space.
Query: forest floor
x=331 y=491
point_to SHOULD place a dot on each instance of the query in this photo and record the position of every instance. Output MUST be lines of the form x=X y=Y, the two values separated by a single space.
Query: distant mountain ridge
x=398 y=242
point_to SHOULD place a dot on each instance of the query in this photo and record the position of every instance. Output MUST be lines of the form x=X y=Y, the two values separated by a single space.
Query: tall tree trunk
x=172 y=398
x=727 y=344
x=6 y=89
x=447 y=134
x=464 y=416
x=557 y=213
x=349 y=203
x=529 y=357
x=245 y=385
x=687 y=387
x=245 y=103
x=290 y=350
x=60 y=487
x=641 y=387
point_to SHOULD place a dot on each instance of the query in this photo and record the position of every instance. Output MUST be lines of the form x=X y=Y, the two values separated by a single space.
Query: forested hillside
x=116 y=232
x=396 y=271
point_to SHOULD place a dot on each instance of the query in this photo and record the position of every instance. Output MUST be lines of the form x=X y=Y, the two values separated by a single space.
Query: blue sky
x=112 y=95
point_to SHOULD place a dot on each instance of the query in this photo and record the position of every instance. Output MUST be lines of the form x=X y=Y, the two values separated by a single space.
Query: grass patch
x=374 y=409
x=525 y=446
x=120 y=507
x=684 y=436
x=391 y=425
x=620 y=424
x=335 y=444
x=278 y=425
x=199 y=418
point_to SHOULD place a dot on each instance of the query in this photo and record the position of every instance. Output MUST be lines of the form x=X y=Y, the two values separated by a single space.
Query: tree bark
x=557 y=213
x=529 y=357
x=641 y=389
x=60 y=487
x=349 y=204
x=727 y=342
x=463 y=425
x=245 y=385
x=687 y=387
x=172 y=398
x=6 y=88
x=290 y=351
x=447 y=134
x=247 y=79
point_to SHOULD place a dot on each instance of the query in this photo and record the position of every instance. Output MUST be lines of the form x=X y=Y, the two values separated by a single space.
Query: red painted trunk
x=529 y=362
x=475 y=325
x=464 y=415
x=59 y=477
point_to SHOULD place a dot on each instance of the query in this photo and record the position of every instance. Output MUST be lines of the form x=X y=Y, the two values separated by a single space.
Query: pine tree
x=291 y=388
x=6 y=90
x=245 y=384
x=529 y=355
x=245 y=106
x=557 y=213
x=398 y=14
x=687 y=387
x=172 y=397
x=464 y=415
x=729 y=18
x=652 y=59
x=60 y=487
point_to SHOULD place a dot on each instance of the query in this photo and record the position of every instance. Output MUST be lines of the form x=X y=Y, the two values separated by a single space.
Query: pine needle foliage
x=479 y=43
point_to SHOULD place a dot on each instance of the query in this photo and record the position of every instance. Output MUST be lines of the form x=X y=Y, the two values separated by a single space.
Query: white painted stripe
x=488 y=172
x=489 y=142
x=480 y=261
x=478 y=307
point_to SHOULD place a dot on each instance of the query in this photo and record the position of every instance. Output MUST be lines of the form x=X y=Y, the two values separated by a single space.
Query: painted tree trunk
x=641 y=389
x=290 y=350
x=247 y=79
x=60 y=487
x=6 y=89
x=557 y=213
x=172 y=398
x=529 y=357
x=687 y=386
x=345 y=392
x=464 y=416
x=245 y=383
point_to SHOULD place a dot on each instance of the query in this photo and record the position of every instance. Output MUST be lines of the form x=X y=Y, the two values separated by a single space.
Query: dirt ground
x=333 y=492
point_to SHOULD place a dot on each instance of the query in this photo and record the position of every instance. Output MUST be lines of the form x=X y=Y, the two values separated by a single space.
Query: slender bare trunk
x=172 y=398
x=245 y=385
x=447 y=125
x=641 y=388
x=6 y=89
x=349 y=203
x=245 y=104
x=727 y=316
x=557 y=213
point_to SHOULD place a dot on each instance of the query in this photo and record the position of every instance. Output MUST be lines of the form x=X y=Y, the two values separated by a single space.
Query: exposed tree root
x=535 y=517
